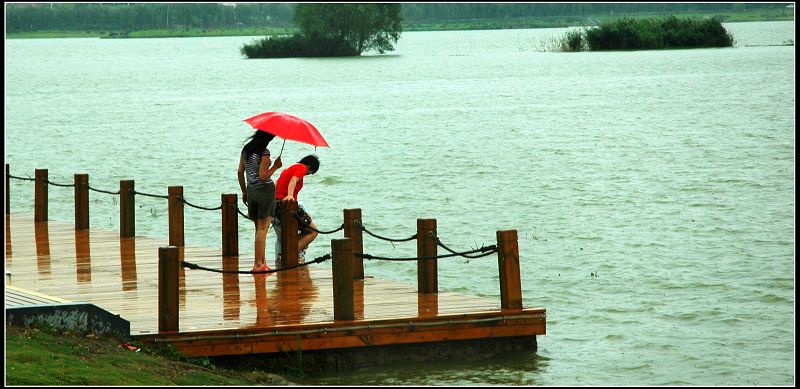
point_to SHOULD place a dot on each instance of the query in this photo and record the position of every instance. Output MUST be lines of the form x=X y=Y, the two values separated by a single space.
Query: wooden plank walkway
x=17 y=297
x=224 y=314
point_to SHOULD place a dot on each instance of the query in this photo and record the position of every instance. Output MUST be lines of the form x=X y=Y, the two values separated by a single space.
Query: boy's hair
x=312 y=161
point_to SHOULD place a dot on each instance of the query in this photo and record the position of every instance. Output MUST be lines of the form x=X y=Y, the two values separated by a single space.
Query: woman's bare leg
x=261 y=242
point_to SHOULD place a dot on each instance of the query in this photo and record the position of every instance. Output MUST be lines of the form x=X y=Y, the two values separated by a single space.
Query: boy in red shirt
x=288 y=187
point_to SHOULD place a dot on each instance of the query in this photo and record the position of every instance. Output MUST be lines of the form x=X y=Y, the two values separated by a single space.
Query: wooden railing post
x=427 y=277
x=352 y=230
x=40 y=196
x=342 y=269
x=289 y=252
x=81 y=201
x=8 y=190
x=168 y=266
x=508 y=263
x=127 y=209
x=230 y=226
x=176 y=216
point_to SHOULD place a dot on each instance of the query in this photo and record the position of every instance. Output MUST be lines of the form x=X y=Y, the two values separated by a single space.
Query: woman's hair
x=312 y=161
x=258 y=142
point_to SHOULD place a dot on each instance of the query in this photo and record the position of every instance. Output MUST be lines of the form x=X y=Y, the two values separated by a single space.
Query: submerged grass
x=46 y=356
x=297 y=46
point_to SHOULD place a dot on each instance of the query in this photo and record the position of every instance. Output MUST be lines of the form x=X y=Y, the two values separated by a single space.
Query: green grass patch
x=47 y=356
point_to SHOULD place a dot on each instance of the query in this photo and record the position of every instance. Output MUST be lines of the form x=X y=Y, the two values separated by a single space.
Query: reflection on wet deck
x=121 y=276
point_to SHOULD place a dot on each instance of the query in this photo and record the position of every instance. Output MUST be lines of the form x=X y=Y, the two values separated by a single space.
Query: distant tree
x=361 y=27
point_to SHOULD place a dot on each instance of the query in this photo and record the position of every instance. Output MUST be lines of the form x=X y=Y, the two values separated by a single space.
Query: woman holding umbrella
x=288 y=127
x=258 y=190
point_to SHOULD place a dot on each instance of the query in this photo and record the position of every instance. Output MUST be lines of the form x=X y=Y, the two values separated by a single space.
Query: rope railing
x=243 y=214
x=194 y=266
x=22 y=178
x=199 y=207
x=305 y=225
x=183 y=200
x=442 y=245
x=61 y=185
x=103 y=191
x=302 y=222
x=485 y=251
x=150 y=195
x=117 y=192
x=412 y=237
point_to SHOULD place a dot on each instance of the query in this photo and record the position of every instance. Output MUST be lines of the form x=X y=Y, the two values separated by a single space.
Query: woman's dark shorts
x=260 y=200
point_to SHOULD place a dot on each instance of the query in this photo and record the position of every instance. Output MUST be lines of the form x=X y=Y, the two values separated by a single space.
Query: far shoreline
x=456 y=25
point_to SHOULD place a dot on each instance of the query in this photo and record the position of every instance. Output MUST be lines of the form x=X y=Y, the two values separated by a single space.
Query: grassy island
x=333 y=30
x=648 y=34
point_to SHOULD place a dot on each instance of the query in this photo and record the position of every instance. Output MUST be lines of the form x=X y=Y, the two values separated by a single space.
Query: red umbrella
x=288 y=127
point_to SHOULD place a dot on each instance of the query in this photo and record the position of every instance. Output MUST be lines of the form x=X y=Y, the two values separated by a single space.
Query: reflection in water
x=263 y=315
x=127 y=254
x=42 y=248
x=289 y=301
x=83 y=260
x=230 y=289
x=294 y=295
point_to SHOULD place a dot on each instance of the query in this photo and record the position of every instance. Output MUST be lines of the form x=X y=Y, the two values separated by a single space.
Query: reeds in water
x=648 y=34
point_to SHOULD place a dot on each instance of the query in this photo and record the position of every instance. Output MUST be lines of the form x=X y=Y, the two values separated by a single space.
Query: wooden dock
x=197 y=299
x=229 y=314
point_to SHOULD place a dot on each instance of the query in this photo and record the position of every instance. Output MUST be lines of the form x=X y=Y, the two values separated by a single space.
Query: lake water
x=653 y=191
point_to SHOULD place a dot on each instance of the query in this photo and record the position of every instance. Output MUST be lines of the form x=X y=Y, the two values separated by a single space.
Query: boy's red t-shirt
x=282 y=186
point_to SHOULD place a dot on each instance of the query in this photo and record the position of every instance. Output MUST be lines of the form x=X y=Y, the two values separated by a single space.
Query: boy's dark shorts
x=301 y=214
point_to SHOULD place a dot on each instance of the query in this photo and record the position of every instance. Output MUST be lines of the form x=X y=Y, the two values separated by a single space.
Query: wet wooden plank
x=18 y=297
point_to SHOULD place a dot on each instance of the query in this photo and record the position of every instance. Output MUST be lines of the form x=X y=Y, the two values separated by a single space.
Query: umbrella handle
x=284 y=144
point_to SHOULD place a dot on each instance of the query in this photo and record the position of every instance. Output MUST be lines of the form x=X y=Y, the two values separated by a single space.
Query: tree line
x=144 y=16
x=443 y=11
x=26 y=17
